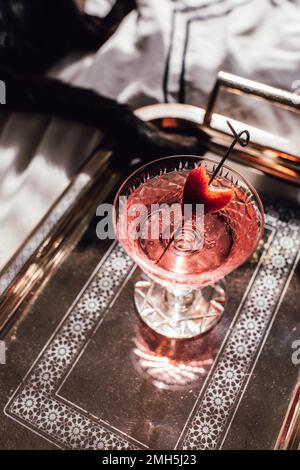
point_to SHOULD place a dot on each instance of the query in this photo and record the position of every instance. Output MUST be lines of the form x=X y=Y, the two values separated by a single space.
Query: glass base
x=176 y=312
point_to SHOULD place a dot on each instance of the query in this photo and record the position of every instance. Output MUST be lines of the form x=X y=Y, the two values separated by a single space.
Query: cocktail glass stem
x=180 y=299
x=178 y=312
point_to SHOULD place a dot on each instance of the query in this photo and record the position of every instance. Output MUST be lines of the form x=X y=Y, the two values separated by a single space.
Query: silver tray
x=58 y=251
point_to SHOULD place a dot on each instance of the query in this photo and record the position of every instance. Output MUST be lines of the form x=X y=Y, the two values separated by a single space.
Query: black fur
x=34 y=34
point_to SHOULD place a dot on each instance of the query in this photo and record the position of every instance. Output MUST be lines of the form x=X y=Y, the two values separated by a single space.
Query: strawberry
x=197 y=190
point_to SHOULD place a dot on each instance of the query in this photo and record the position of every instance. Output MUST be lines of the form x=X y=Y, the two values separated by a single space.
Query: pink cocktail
x=184 y=260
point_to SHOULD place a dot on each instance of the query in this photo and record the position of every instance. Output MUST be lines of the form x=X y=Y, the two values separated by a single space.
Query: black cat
x=34 y=34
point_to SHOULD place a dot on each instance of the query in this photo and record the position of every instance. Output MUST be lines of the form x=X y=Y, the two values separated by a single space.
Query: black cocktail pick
x=237 y=138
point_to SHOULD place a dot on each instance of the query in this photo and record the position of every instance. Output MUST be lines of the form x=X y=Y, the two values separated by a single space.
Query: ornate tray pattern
x=36 y=404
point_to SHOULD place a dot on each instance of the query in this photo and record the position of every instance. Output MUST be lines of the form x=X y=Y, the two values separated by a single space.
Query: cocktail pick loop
x=237 y=138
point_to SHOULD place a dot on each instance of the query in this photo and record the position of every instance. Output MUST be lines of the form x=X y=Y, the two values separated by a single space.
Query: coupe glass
x=180 y=292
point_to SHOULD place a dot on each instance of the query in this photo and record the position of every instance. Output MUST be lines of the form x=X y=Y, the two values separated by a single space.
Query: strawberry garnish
x=197 y=190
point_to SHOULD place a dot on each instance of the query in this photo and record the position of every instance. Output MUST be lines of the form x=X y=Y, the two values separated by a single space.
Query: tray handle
x=238 y=85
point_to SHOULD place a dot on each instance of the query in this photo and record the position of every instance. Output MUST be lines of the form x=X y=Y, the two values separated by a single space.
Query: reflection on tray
x=170 y=364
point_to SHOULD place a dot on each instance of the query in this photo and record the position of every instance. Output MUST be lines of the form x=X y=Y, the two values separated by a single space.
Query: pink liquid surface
x=230 y=235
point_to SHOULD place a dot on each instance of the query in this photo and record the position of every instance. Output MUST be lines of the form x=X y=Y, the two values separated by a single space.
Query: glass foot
x=176 y=312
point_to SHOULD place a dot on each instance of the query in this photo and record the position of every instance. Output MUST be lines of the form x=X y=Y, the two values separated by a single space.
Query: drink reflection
x=171 y=364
